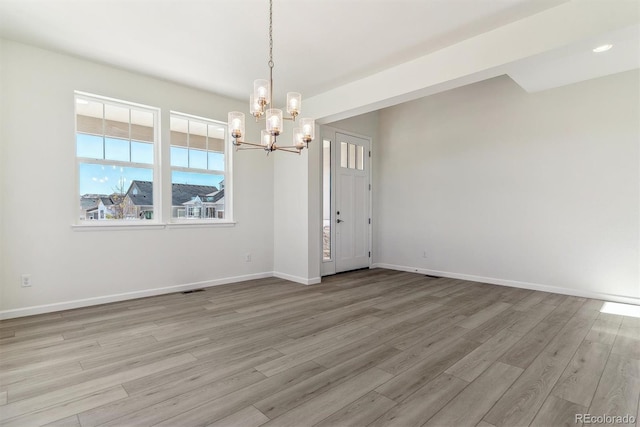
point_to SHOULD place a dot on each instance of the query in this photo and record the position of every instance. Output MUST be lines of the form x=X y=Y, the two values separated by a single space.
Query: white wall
x=3 y=266
x=296 y=254
x=37 y=155
x=291 y=214
x=364 y=124
x=494 y=184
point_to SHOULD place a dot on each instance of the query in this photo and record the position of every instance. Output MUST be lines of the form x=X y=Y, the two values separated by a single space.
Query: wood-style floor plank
x=529 y=347
x=308 y=353
x=619 y=387
x=605 y=329
x=520 y=404
x=69 y=408
x=409 y=381
x=468 y=407
x=247 y=417
x=581 y=377
x=166 y=385
x=212 y=411
x=65 y=392
x=423 y=404
x=322 y=406
x=278 y=403
x=484 y=315
x=159 y=412
x=475 y=363
x=421 y=350
x=359 y=413
x=558 y=412
x=372 y=347
x=627 y=341
x=71 y=421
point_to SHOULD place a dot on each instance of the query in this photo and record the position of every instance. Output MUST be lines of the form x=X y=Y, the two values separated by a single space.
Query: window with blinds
x=199 y=168
x=116 y=154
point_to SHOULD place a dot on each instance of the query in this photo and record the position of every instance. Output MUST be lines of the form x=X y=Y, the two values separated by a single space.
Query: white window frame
x=227 y=173
x=155 y=167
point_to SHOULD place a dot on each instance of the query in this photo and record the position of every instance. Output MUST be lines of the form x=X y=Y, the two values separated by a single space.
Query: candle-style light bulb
x=236 y=124
x=266 y=139
x=294 y=101
x=274 y=121
x=261 y=89
x=298 y=140
x=254 y=107
x=308 y=129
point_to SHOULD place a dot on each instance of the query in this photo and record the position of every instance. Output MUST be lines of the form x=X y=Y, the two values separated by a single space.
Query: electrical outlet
x=247 y=258
x=424 y=254
x=25 y=280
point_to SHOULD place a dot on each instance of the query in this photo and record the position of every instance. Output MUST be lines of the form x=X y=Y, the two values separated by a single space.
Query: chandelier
x=259 y=100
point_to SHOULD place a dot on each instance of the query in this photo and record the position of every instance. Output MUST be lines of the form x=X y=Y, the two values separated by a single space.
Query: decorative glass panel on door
x=344 y=154
x=352 y=156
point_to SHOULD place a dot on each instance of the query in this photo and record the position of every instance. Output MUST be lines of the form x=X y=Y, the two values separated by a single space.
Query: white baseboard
x=514 y=284
x=297 y=279
x=68 y=305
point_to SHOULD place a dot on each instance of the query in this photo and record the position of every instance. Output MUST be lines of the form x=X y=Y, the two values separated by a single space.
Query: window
x=199 y=168
x=326 y=200
x=118 y=149
x=351 y=156
x=116 y=146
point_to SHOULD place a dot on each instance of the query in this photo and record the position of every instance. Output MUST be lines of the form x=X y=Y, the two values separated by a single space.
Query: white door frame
x=329 y=133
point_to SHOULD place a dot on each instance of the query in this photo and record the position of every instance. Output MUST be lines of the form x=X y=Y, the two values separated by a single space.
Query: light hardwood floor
x=372 y=347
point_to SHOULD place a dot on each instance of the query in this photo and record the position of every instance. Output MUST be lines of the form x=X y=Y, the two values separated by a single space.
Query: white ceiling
x=320 y=46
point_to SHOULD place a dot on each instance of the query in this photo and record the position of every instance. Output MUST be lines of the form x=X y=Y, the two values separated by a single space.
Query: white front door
x=352 y=223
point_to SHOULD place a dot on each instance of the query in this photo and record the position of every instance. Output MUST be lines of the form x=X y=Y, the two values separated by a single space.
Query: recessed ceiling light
x=603 y=48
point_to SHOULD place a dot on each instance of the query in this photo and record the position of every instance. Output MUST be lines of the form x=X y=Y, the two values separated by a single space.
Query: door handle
x=339 y=221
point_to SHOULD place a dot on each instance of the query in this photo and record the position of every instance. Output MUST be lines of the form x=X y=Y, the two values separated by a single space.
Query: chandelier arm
x=249 y=148
x=253 y=144
x=286 y=149
x=288 y=146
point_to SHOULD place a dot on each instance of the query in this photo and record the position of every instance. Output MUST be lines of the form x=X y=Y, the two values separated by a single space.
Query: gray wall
x=490 y=183
x=39 y=194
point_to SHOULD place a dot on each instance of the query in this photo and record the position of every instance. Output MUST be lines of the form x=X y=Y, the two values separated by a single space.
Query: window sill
x=150 y=225
x=90 y=226
x=196 y=223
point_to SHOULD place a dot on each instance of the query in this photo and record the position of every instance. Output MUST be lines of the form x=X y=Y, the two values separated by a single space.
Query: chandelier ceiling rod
x=270 y=63
x=258 y=102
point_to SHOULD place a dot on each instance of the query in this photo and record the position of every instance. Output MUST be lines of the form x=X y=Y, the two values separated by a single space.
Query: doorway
x=346 y=201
